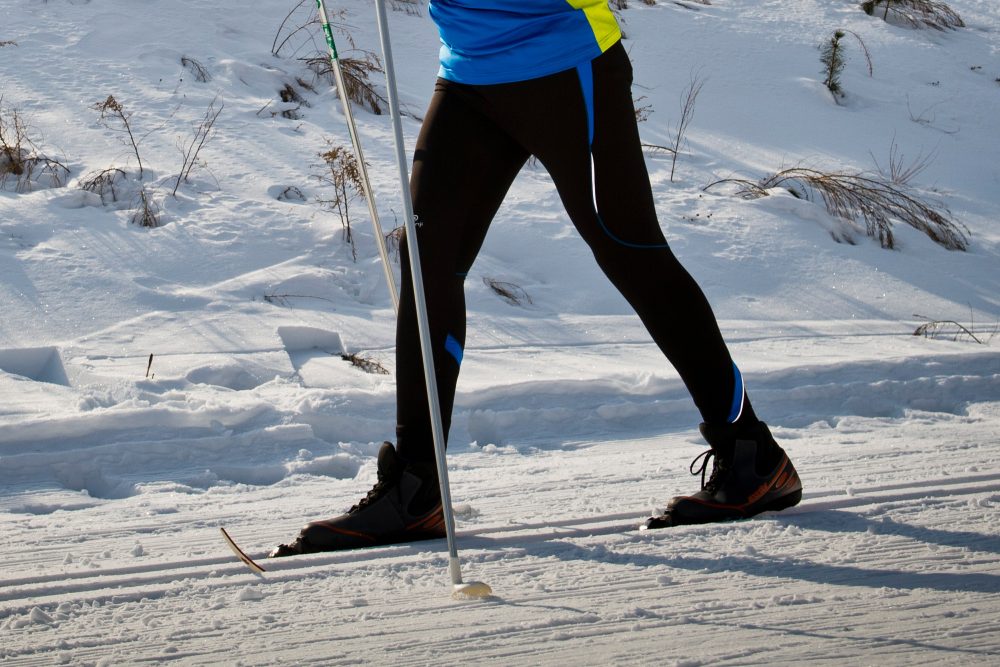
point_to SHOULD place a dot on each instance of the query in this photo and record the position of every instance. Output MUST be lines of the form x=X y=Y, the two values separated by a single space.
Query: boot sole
x=778 y=504
x=668 y=520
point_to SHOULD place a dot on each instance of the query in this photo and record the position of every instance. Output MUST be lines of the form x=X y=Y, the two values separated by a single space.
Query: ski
x=249 y=562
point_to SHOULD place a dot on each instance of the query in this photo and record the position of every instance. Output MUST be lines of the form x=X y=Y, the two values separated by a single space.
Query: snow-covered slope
x=569 y=428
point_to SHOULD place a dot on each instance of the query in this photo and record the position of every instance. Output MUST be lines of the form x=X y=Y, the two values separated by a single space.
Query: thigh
x=622 y=195
x=463 y=166
x=581 y=125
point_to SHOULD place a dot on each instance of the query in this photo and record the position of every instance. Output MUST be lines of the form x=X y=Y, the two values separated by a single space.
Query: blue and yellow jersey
x=502 y=41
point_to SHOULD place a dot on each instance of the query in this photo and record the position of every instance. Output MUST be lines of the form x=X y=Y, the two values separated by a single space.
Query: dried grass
x=341 y=170
x=915 y=13
x=20 y=158
x=365 y=364
x=950 y=328
x=509 y=292
x=146 y=212
x=357 y=82
x=876 y=201
x=107 y=184
x=300 y=36
x=200 y=72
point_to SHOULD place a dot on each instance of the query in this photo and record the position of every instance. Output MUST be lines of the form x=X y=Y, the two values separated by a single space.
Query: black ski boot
x=403 y=506
x=750 y=474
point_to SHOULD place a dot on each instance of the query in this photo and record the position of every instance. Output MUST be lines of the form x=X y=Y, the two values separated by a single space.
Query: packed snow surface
x=118 y=467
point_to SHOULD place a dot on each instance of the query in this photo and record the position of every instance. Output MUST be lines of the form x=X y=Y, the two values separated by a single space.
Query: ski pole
x=338 y=75
x=459 y=588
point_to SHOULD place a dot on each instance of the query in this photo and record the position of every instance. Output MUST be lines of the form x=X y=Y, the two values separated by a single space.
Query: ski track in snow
x=904 y=570
x=569 y=426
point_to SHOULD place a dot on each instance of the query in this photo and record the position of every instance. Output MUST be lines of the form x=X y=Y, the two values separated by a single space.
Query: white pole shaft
x=338 y=74
x=437 y=427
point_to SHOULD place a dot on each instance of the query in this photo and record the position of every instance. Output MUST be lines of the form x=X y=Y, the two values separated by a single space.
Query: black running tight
x=581 y=126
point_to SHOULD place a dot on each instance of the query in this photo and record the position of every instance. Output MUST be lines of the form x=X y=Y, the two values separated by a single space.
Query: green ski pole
x=338 y=74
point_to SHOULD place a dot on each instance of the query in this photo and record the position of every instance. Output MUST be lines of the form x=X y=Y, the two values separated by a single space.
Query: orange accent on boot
x=768 y=485
x=433 y=522
x=344 y=531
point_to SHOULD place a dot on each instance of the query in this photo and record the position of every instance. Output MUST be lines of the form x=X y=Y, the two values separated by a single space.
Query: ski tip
x=244 y=558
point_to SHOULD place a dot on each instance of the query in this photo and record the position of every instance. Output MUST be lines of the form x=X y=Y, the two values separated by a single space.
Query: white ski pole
x=338 y=75
x=459 y=588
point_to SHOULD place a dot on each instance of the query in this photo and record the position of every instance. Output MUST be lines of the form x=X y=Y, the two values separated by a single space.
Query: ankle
x=723 y=439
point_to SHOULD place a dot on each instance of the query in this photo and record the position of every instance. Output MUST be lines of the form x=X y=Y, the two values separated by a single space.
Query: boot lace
x=720 y=467
x=384 y=481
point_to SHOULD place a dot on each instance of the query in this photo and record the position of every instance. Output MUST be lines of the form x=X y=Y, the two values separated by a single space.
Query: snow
x=117 y=468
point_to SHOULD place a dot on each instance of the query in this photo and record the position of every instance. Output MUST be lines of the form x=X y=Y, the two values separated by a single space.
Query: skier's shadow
x=788 y=567
x=572 y=544
x=839 y=521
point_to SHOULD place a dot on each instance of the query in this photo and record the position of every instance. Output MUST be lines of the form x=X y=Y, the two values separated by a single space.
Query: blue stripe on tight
x=738 y=393
x=454 y=348
x=585 y=73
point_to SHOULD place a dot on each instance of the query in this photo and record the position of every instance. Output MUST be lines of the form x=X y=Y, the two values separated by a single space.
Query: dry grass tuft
x=300 y=36
x=915 y=13
x=341 y=171
x=952 y=329
x=357 y=81
x=509 y=292
x=877 y=201
x=21 y=160
x=107 y=184
x=365 y=364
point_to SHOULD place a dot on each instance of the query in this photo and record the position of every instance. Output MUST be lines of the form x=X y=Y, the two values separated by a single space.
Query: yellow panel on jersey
x=602 y=21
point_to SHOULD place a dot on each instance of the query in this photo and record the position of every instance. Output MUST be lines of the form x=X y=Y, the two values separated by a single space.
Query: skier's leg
x=621 y=225
x=591 y=147
x=581 y=125
x=462 y=168
x=750 y=473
